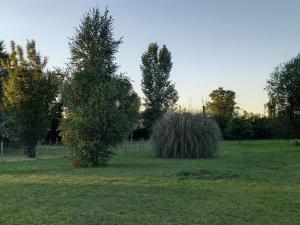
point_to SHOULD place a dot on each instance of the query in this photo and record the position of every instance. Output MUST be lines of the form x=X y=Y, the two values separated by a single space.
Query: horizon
x=235 y=45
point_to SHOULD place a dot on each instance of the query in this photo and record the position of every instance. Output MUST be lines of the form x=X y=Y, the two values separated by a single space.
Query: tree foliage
x=160 y=93
x=260 y=125
x=255 y=126
x=57 y=109
x=283 y=89
x=222 y=106
x=101 y=106
x=28 y=95
x=239 y=128
x=3 y=56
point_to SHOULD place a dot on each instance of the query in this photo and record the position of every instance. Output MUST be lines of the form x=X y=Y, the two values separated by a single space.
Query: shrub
x=239 y=128
x=186 y=135
x=260 y=126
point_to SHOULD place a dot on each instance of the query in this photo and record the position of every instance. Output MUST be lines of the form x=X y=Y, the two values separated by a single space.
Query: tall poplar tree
x=101 y=106
x=160 y=93
x=28 y=94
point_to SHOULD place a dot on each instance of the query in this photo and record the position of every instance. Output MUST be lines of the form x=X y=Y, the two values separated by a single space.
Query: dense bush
x=261 y=126
x=256 y=126
x=239 y=128
x=186 y=135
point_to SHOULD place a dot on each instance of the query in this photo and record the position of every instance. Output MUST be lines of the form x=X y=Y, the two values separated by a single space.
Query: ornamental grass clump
x=184 y=134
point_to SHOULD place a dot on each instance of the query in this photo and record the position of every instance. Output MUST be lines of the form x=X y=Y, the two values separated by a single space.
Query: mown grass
x=256 y=182
x=11 y=154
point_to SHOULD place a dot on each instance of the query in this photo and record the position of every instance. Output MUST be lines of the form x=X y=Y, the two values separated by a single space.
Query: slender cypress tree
x=160 y=93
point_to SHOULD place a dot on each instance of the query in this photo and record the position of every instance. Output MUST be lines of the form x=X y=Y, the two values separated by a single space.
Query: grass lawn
x=257 y=182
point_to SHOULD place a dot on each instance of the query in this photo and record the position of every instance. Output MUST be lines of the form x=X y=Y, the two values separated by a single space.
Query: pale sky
x=231 y=43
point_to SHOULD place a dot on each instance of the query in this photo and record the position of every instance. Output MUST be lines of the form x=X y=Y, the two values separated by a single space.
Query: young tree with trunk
x=160 y=93
x=28 y=95
x=101 y=105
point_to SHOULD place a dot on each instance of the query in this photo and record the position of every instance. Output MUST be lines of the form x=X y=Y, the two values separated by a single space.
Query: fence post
x=2 y=157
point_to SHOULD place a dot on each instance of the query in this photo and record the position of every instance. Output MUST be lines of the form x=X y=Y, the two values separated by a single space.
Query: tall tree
x=101 y=106
x=160 y=93
x=283 y=89
x=28 y=94
x=221 y=106
x=3 y=57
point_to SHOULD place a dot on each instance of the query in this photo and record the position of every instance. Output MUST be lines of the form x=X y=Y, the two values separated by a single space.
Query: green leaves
x=283 y=89
x=222 y=106
x=101 y=106
x=93 y=44
x=160 y=93
x=28 y=95
x=222 y=102
x=3 y=54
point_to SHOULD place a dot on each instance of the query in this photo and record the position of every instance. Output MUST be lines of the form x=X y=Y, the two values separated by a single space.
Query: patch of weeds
x=297 y=143
x=206 y=175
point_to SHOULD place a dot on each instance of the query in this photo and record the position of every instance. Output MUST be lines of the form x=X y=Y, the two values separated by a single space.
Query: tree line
x=236 y=124
x=93 y=107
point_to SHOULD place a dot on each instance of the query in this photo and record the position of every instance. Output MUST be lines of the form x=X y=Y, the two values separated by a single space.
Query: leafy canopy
x=221 y=106
x=28 y=95
x=160 y=93
x=3 y=56
x=101 y=106
x=283 y=89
